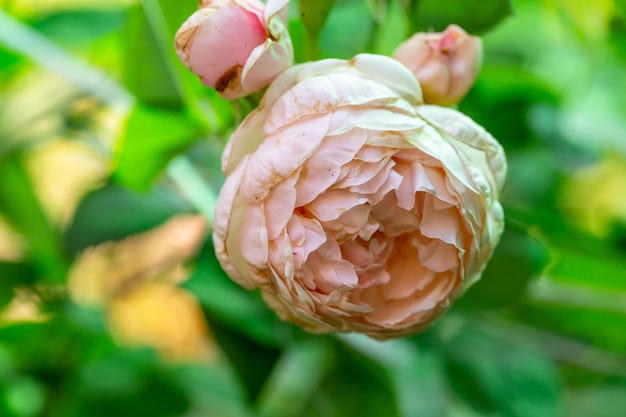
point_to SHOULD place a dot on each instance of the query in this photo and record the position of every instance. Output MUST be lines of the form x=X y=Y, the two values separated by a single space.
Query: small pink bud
x=446 y=64
x=236 y=46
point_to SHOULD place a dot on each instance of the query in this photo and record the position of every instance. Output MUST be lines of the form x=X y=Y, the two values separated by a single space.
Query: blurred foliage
x=105 y=139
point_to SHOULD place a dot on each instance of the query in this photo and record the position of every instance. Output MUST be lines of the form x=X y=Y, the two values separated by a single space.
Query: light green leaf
x=475 y=16
x=24 y=211
x=21 y=38
x=347 y=31
x=295 y=378
x=150 y=139
x=496 y=377
x=392 y=32
x=517 y=258
x=113 y=212
x=13 y=275
x=415 y=373
x=314 y=13
x=149 y=74
x=598 y=401
x=231 y=304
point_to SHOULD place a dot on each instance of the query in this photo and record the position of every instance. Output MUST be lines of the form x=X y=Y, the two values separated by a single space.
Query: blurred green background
x=113 y=304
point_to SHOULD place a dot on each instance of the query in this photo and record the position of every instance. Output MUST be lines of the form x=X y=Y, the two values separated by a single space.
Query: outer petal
x=472 y=139
x=229 y=216
x=275 y=55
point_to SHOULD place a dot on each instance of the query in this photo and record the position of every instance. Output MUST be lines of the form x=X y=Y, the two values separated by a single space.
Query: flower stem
x=193 y=187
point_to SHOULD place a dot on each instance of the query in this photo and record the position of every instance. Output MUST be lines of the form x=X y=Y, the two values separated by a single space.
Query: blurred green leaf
x=253 y=362
x=577 y=266
x=347 y=30
x=151 y=138
x=593 y=326
x=214 y=389
x=517 y=258
x=127 y=384
x=80 y=26
x=230 y=304
x=149 y=75
x=503 y=97
x=392 y=31
x=356 y=386
x=496 y=377
x=13 y=275
x=9 y=62
x=414 y=371
x=25 y=396
x=298 y=35
x=174 y=13
x=475 y=16
x=314 y=13
x=598 y=401
x=113 y=212
x=295 y=378
x=23 y=209
x=21 y=38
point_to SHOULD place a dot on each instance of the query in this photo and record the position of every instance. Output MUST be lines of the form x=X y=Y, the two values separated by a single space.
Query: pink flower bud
x=446 y=64
x=236 y=46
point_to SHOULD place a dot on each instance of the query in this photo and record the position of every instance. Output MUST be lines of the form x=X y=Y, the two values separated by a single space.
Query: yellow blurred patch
x=596 y=196
x=135 y=279
x=111 y=269
x=38 y=7
x=62 y=171
x=162 y=316
x=23 y=308
x=12 y=245
x=590 y=17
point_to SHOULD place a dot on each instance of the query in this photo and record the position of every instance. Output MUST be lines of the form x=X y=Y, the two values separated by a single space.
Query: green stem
x=312 y=46
x=193 y=187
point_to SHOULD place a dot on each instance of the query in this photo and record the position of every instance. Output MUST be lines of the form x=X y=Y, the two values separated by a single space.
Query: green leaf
x=113 y=212
x=496 y=377
x=475 y=16
x=357 y=386
x=392 y=32
x=347 y=31
x=21 y=38
x=25 y=396
x=232 y=305
x=298 y=34
x=286 y=391
x=314 y=13
x=149 y=74
x=598 y=401
x=415 y=373
x=174 y=13
x=214 y=389
x=150 y=139
x=13 y=275
x=252 y=361
x=23 y=210
x=129 y=383
x=517 y=258
x=80 y=26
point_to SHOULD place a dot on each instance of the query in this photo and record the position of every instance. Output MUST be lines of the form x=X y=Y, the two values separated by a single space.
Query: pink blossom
x=236 y=46
x=446 y=64
x=354 y=206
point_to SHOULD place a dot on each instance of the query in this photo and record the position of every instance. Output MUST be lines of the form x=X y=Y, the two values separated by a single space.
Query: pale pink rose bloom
x=352 y=205
x=236 y=46
x=446 y=64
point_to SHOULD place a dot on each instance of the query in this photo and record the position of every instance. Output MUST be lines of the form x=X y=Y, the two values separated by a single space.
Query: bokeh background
x=112 y=302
